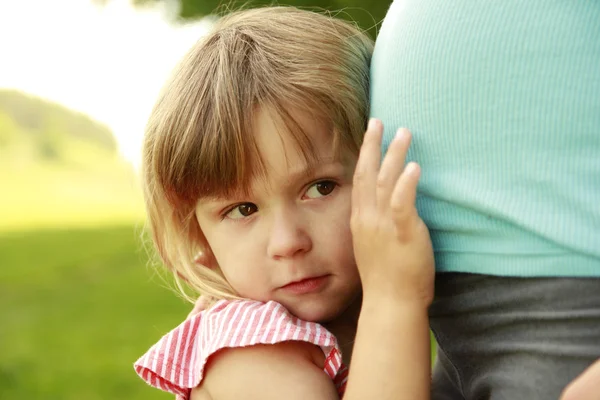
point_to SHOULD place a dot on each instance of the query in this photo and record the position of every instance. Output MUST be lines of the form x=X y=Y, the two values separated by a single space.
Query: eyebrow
x=307 y=171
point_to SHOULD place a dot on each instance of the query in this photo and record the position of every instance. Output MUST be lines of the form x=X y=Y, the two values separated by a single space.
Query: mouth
x=307 y=285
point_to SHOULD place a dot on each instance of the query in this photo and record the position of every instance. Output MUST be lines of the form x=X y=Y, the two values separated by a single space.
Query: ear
x=205 y=258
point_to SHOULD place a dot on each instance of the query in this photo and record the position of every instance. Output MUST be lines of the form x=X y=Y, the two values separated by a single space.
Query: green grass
x=78 y=301
x=34 y=196
x=78 y=307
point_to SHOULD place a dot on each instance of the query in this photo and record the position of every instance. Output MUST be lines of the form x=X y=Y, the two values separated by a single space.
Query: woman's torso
x=503 y=99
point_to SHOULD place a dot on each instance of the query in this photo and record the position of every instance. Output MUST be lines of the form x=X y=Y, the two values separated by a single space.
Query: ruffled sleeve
x=176 y=363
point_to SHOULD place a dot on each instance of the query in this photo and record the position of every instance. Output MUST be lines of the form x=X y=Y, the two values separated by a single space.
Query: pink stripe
x=259 y=324
x=192 y=354
x=242 y=323
x=219 y=322
x=186 y=338
x=165 y=358
x=157 y=352
x=268 y=315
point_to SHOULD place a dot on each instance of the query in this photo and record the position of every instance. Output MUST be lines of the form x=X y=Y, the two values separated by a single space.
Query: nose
x=288 y=237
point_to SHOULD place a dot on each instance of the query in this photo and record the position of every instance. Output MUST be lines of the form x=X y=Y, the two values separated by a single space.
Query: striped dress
x=176 y=363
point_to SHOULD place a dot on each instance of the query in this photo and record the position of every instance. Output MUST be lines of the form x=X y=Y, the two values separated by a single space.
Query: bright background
x=79 y=299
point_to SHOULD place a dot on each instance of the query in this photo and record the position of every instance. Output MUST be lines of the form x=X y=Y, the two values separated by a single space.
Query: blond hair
x=199 y=140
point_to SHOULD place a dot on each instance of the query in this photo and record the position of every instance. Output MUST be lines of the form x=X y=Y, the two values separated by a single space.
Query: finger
x=367 y=166
x=392 y=167
x=404 y=197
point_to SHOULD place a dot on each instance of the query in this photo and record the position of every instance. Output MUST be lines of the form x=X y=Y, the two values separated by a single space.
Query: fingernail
x=373 y=124
x=412 y=168
x=401 y=132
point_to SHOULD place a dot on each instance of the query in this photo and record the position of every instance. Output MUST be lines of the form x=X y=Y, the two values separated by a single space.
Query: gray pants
x=512 y=338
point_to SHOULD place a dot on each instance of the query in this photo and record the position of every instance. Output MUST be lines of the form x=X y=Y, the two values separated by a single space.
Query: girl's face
x=289 y=240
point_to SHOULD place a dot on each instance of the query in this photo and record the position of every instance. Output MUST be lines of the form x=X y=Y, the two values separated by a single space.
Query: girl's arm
x=288 y=370
x=586 y=386
x=391 y=357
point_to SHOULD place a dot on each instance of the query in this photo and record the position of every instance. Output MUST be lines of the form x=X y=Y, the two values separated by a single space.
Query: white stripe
x=338 y=358
x=177 y=354
x=318 y=334
x=202 y=331
x=296 y=334
x=327 y=341
x=308 y=330
x=268 y=328
x=156 y=355
x=288 y=327
x=207 y=330
x=220 y=320
x=278 y=330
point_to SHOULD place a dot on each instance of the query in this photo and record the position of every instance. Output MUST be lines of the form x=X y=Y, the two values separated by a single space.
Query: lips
x=307 y=285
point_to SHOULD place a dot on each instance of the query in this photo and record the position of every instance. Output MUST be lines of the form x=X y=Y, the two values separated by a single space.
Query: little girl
x=251 y=161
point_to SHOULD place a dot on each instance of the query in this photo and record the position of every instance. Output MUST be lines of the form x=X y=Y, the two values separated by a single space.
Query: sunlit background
x=79 y=299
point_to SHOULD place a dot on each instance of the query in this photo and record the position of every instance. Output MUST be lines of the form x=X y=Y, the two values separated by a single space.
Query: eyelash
x=224 y=213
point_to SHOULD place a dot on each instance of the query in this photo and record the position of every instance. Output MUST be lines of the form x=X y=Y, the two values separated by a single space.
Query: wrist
x=392 y=307
x=398 y=298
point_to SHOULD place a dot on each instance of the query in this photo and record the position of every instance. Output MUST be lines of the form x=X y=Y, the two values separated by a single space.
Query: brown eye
x=243 y=210
x=320 y=189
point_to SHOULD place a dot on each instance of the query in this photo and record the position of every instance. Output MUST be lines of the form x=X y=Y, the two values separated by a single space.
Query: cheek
x=238 y=259
x=339 y=235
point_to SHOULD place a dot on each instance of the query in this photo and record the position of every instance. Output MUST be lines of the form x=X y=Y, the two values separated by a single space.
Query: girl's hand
x=391 y=243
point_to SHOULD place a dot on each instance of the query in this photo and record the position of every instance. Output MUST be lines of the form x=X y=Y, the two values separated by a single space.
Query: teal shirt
x=503 y=100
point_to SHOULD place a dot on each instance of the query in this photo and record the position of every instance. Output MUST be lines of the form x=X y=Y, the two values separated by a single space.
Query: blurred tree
x=39 y=119
x=39 y=130
x=368 y=16
x=8 y=130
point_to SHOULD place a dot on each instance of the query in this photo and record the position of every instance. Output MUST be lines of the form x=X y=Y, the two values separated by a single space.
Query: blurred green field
x=79 y=302
x=78 y=307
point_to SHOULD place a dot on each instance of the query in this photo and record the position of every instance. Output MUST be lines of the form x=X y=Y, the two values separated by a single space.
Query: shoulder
x=290 y=370
x=229 y=330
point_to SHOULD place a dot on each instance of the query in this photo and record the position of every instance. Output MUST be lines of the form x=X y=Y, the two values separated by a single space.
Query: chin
x=315 y=312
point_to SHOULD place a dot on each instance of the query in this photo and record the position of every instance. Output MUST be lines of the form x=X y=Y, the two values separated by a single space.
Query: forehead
x=282 y=147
